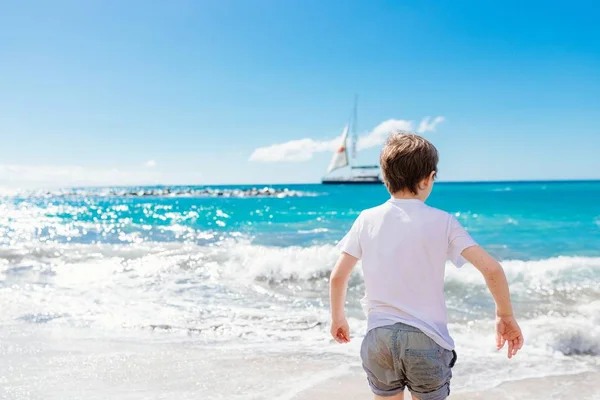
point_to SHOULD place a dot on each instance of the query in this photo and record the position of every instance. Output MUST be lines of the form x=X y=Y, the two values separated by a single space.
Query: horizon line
x=263 y=184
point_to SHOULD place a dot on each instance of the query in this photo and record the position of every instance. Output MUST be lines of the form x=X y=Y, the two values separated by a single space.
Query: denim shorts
x=399 y=356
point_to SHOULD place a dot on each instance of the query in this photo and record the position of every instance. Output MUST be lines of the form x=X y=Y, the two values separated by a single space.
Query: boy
x=404 y=245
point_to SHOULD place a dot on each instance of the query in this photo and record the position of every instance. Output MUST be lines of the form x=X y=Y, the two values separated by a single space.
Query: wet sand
x=584 y=386
x=53 y=364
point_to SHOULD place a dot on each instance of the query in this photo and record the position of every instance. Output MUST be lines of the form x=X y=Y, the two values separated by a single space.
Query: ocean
x=184 y=292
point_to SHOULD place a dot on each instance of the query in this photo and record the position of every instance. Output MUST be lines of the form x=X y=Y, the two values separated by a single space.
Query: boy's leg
x=399 y=396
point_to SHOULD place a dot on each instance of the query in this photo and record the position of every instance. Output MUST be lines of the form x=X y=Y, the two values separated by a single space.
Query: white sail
x=340 y=157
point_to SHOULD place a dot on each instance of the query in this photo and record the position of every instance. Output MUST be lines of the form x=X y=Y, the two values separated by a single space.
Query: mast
x=354 y=129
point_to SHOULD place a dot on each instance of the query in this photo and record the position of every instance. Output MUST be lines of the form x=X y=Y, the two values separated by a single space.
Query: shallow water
x=251 y=272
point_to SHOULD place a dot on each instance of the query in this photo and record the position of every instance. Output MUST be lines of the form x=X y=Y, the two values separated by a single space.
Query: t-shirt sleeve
x=458 y=240
x=351 y=242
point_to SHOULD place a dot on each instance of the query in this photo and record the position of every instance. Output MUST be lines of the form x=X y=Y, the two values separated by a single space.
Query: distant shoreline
x=261 y=185
x=288 y=185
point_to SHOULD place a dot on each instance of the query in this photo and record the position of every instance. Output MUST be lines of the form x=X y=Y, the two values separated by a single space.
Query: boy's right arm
x=507 y=329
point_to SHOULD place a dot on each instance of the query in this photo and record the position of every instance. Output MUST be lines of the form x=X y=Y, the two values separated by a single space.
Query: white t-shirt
x=404 y=245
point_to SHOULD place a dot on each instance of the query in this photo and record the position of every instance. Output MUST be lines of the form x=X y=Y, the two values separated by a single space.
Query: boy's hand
x=338 y=283
x=340 y=330
x=507 y=330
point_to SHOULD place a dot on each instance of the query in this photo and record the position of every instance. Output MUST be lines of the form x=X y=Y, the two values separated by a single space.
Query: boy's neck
x=406 y=196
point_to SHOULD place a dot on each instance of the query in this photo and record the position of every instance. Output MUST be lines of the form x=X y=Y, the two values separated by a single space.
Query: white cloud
x=150 y=164
x=428 y=125
x=304 y=149
x=293 y=151
x=26 y=176
x=379 y=135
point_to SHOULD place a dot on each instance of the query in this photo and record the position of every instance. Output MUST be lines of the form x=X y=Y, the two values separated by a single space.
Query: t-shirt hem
x=436 y=338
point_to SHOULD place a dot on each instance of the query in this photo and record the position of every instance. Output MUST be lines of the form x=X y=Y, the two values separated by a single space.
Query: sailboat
x=360 y=174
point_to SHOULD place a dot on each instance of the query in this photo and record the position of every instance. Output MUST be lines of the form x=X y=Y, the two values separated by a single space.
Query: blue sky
x=114 y=92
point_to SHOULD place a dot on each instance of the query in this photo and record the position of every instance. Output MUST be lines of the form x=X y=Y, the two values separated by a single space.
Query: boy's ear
x=427 y=180
x=431 y=176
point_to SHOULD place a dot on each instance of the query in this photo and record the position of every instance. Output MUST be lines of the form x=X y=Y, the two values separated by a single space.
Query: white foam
x=546 y=271
x=240 y=265
x=316 y=230
x=238 y=291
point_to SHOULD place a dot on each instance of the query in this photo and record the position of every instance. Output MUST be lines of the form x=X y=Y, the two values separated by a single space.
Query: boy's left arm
x=338 y=284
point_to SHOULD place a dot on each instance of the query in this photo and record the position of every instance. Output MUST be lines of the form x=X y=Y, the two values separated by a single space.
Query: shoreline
x=581 y=385
x=53 y=363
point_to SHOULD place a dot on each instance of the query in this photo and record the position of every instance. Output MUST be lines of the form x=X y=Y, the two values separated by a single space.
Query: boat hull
x=352 y=181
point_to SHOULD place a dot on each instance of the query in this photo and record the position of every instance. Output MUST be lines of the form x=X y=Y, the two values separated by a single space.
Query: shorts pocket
x=424 y=368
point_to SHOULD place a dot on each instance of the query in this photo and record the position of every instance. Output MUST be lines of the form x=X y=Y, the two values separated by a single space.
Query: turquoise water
x=232 y=270
x=513 y=220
